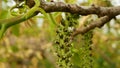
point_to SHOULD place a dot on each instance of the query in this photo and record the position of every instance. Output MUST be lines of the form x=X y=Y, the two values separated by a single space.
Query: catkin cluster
x=63 y=40
x=86 y=51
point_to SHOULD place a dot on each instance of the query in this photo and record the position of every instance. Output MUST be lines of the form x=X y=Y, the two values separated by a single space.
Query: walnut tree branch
x=98 y=23
x=74 y=8
x=105 y=13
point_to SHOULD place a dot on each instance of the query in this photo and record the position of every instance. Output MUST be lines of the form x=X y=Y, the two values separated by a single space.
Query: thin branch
x=98 y=23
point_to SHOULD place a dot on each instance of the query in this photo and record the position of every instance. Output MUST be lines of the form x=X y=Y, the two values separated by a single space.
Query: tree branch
x=74 y=8
x=82 y=10
x=98 y=23
x=105 y=13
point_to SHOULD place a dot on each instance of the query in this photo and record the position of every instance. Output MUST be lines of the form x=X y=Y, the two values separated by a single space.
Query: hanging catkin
x=63 y=40
x=86 y=57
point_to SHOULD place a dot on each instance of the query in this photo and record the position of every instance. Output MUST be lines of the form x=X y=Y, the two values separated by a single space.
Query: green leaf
x=15 y=13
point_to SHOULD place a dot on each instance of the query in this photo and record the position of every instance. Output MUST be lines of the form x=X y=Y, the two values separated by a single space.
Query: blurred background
x=30 y=44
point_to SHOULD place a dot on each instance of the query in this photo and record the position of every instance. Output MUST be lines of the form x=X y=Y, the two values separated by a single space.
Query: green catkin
x=86 y=51
x=63 y=40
